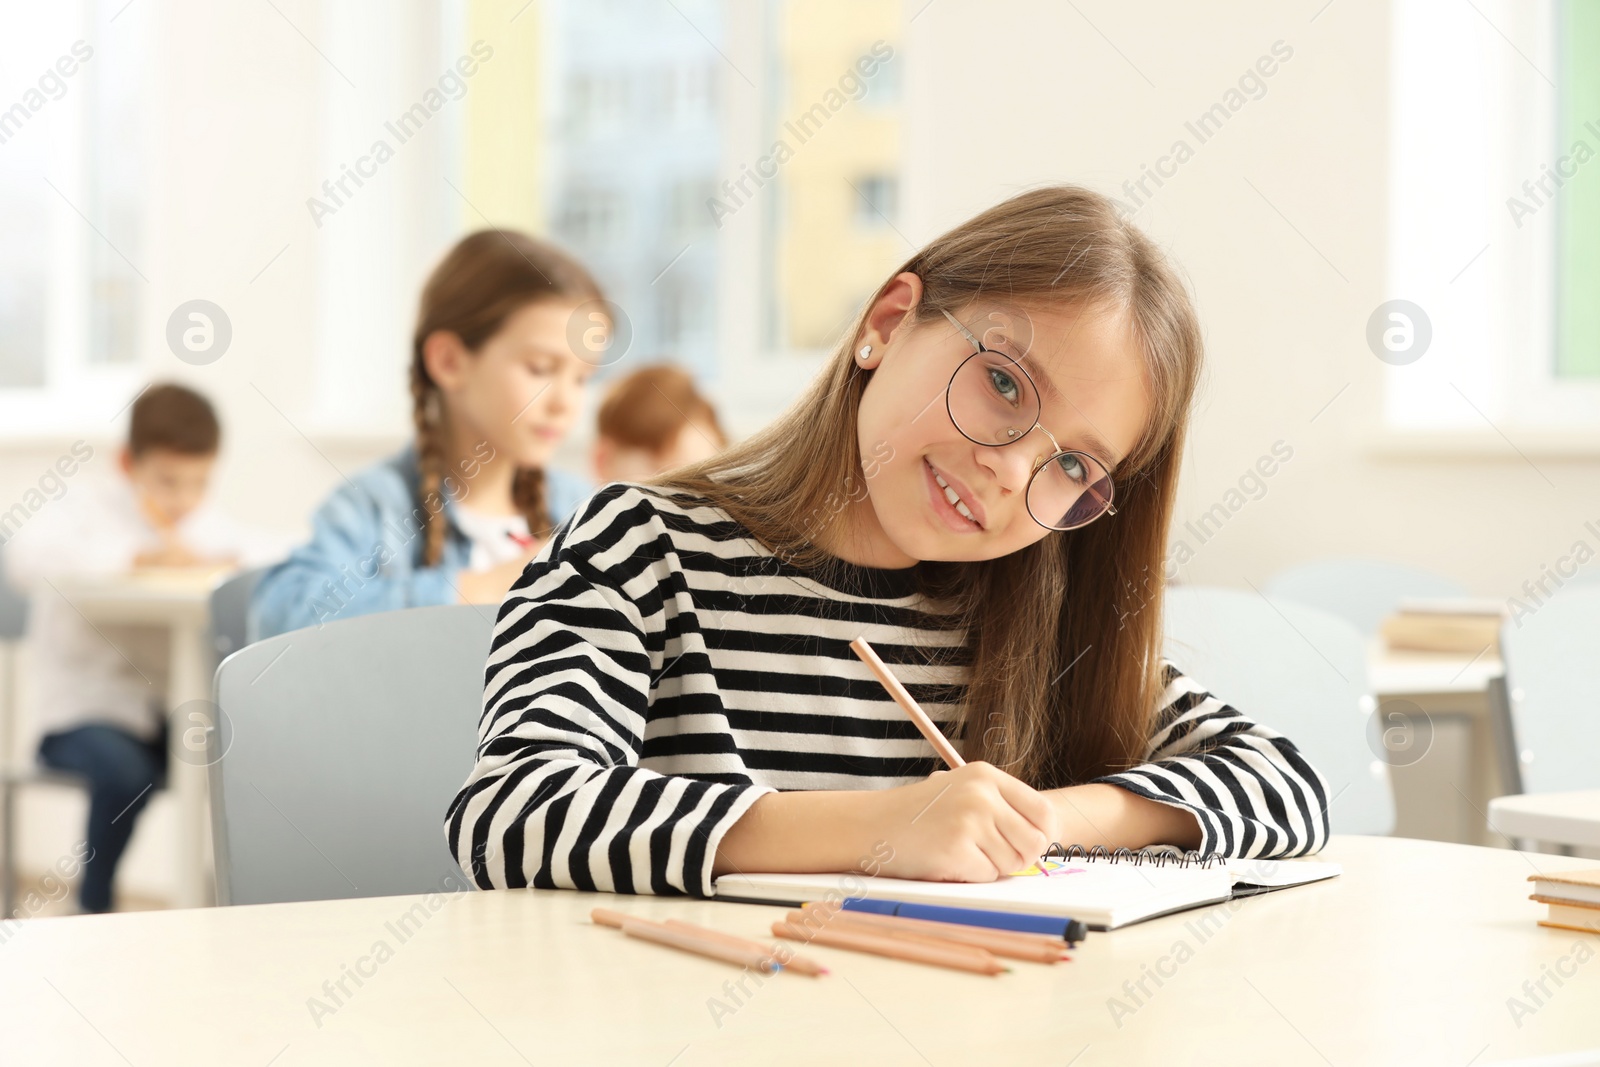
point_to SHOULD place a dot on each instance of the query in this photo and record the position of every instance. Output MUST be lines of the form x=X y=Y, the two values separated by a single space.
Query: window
x=1494 y=209
x=633 y=142
x=1578 y=194
x=72 y=294
x=832 y=137
x=877 y=201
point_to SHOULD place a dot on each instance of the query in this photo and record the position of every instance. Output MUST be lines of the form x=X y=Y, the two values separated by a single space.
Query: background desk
x=1445 y=794
x=179 y=601
x=1408 y=958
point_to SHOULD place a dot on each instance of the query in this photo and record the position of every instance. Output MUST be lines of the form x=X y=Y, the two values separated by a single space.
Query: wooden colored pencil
x=955 y=956
x=919 y=718
x=678 y=934
x=794 y=961
x=1037 y=948
x=661 y=933
x=1018 y=937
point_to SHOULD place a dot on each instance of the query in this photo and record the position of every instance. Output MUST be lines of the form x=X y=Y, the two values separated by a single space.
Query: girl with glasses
x=979 y=483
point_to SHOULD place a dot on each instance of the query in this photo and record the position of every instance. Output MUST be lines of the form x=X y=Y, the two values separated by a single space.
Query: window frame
x=1491 y=379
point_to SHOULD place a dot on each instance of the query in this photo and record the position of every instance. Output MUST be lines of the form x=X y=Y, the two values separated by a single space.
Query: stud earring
x=866 y=350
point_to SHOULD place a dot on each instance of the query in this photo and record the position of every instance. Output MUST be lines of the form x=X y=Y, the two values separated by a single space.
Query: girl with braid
x=456 y=515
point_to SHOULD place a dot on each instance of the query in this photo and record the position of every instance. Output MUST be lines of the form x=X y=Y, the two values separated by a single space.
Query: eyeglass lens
x=993 y=402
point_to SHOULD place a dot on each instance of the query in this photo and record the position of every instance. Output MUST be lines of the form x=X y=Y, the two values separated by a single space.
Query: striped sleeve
x=557 y=798
x=1253 y=791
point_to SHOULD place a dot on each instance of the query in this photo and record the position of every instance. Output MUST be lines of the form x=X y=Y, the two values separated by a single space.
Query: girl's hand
x=972 y=824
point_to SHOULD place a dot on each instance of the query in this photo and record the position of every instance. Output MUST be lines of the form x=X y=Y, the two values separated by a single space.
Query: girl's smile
x=953 y=502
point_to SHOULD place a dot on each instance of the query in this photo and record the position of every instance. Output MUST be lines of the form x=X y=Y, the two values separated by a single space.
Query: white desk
x=1561 y=818
x=1444 y=795
x=177 y=600
x=1408 y=958
x=1397 y=672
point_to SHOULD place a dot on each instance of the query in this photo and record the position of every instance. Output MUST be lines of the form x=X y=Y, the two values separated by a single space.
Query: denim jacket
x=365 y=552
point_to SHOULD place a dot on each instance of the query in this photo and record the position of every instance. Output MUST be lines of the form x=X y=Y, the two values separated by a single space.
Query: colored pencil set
x=958 y=947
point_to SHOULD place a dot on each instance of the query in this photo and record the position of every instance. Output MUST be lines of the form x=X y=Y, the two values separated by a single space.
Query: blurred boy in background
x=652 y=421
x=100 y=691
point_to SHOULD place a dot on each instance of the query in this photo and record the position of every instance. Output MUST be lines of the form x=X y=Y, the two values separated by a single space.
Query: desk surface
x=153 y=590
x=1564 y=818
x=1399 y=672
x=1410 y=957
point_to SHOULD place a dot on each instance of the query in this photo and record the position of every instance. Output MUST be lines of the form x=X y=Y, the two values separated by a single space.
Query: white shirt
x=114 y=674
x=495 y=539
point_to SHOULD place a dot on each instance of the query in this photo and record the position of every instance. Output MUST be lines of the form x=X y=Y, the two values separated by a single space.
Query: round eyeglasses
x=993 y=401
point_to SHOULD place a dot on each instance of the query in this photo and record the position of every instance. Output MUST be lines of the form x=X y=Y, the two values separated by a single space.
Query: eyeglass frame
x=979 y=348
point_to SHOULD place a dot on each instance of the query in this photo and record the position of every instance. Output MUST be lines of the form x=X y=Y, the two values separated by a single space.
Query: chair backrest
x=1301 y=672
x=1362 y=591
x=13 y=607
x=13 y=625
x=230 y=610
x=1555 y=709
x=338 y=749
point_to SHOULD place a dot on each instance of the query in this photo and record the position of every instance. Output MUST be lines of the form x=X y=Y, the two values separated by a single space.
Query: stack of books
x=1572 y=896
x=1458 y=624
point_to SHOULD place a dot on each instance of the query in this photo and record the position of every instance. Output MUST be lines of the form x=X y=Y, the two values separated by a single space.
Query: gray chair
x=1554 y=707
x=230 y=611
x=1299 y=671
x=337 y=751
x=1362 y=591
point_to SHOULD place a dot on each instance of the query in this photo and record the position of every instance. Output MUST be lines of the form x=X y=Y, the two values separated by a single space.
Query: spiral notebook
x=1104 y=889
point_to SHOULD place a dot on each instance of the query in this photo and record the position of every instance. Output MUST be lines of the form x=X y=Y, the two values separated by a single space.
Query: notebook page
x=1100 y=894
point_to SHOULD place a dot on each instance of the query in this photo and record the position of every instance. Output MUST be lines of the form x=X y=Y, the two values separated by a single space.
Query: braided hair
x=487 y=277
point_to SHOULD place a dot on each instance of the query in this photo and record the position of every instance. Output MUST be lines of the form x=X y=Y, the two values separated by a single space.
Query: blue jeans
x=122 y=771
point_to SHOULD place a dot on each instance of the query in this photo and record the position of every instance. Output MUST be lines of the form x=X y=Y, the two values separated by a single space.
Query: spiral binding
x=1156 y=855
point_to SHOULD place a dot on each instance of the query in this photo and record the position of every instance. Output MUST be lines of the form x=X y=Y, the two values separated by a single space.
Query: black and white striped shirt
x=655 y=671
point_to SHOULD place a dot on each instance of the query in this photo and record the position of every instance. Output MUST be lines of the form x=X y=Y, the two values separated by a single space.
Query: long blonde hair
x=1064 y=676
x=479 y=284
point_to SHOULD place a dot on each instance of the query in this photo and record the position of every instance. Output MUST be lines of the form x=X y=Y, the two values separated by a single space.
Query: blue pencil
x=1069 y=930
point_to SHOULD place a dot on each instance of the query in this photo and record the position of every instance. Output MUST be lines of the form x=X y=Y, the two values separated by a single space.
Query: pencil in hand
x=913 y=710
